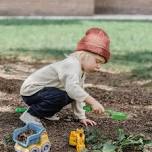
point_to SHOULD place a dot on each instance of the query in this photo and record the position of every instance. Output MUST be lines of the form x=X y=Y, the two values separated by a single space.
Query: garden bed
x=113 y=90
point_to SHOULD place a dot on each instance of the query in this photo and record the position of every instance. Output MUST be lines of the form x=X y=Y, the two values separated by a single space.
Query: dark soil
x=22 y=137
x=120 y=92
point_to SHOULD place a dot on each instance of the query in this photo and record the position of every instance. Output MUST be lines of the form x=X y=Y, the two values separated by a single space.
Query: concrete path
x=94 y=17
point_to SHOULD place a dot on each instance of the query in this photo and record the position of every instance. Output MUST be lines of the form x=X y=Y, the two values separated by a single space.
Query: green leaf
x=8 y=139
x=97 y=146
x=91 y=139
x=132 y=140
x=148 y=143
x=93 y=136
x=85 y=150
x=121 y=134
x=108 y=147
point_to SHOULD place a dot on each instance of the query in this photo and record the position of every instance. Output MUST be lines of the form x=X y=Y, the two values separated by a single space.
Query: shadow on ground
x=142 y=62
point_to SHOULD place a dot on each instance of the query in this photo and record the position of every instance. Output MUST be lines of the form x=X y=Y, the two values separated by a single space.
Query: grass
x=131 y=43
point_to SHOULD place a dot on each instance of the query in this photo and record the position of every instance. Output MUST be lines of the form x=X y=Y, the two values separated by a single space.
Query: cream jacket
x=66 y=75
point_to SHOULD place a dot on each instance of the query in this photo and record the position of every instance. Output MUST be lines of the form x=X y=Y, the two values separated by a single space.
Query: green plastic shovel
x=20 y=110
x=114 y=115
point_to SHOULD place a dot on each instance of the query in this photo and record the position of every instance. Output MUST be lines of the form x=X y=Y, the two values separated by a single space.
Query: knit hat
x=95 y=41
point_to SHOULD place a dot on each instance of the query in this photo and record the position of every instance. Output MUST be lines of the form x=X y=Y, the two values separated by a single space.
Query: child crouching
x=56 y=85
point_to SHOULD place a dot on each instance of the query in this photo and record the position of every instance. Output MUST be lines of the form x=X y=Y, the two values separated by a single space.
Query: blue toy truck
x=36 y=142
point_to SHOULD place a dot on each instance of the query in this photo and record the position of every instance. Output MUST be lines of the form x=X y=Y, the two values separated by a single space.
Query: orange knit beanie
x=95 y=41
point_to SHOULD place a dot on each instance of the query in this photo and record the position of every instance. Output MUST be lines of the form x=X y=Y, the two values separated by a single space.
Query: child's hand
x=97 y=107
x=88 y=121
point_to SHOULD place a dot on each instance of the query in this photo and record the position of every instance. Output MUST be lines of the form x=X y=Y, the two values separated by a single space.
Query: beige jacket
x=66 y=75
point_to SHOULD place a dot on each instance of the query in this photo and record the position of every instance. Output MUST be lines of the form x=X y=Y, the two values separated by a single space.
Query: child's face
x=92 y=63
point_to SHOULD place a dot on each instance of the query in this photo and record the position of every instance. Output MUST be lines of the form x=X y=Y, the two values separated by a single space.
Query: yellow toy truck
x=31 y=138
x=77 y=138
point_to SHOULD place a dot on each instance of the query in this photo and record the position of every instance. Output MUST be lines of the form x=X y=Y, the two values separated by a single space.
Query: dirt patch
x=10 y=86
x=126 y=95
x=133 y=96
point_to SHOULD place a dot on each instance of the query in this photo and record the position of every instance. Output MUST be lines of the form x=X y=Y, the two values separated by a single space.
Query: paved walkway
x=94 y=17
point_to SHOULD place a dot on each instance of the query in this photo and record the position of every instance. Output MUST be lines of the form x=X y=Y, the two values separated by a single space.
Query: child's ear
x=102 y=59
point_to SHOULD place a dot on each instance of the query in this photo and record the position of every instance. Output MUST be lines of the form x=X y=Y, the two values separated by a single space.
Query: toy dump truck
x=31 y=138
x=77 y=138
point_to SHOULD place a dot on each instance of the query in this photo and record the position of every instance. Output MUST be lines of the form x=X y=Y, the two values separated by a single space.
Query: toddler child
x=52 y=87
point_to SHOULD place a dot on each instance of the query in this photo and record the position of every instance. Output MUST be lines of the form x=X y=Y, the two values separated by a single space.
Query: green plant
x=122 y=143
x=8 y=140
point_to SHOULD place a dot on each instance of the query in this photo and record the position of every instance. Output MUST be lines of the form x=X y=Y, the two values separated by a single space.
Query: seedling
x=8 y=140
x=114 y=115
x=122 y=143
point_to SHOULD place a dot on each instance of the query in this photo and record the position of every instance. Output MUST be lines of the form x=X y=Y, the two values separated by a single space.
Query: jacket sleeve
x=78 y=109
x=70 y=77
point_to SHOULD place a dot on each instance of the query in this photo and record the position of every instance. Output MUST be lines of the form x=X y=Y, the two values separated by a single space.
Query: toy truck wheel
x=17 y=149
x=46 y=147
x=35 y=149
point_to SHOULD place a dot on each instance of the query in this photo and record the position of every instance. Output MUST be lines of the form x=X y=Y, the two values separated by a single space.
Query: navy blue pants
x=47 y=102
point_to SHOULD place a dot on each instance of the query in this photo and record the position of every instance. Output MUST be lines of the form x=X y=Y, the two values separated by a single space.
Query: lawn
x=131 y=43
x=124 y=84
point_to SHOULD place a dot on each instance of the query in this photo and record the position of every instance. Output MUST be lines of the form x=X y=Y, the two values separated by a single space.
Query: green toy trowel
x=20 y=109
x=114 y=115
